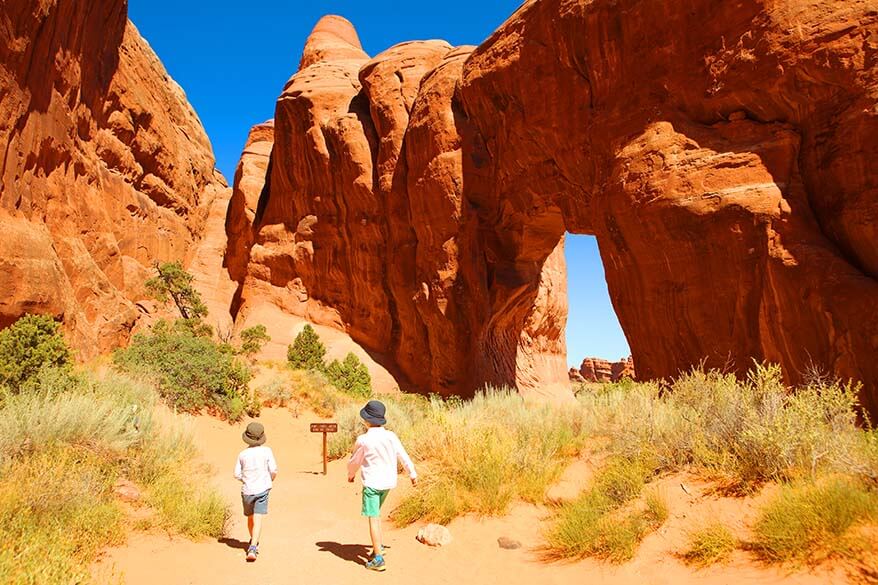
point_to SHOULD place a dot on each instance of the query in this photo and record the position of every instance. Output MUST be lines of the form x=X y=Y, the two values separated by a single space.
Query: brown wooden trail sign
x=324 y=428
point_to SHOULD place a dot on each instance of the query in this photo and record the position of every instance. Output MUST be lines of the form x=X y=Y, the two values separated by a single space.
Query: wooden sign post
x=324 y=428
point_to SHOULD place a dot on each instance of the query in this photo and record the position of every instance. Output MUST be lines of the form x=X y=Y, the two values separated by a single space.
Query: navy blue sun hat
x=374 y=412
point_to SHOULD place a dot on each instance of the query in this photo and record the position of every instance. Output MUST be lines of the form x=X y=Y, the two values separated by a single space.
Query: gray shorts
x=256 y=504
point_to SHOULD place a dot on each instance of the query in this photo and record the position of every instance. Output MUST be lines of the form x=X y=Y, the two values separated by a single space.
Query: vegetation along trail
x=313 y=532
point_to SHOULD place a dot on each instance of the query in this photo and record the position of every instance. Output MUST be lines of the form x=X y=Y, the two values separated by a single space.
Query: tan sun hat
x=254 y=435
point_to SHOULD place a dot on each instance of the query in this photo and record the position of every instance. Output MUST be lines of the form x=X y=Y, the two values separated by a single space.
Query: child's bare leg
x=375 y=533
x=257 y=528
x=250 y=526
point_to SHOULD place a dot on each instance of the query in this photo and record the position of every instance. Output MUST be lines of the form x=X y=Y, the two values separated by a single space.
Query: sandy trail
x=314 y=533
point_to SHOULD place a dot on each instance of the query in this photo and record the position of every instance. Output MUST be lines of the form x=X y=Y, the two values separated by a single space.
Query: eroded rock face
x=362 y=211
x=719 y=153
x=104 y=170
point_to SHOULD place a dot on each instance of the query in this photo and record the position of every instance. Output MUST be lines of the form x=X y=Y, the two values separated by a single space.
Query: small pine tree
x=252 y=340
x=30 y=344
x=307 y=351
x=351 y=376
x=174 y=283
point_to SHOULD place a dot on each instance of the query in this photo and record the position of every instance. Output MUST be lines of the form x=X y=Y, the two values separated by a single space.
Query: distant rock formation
x=600 y=370
x=104 y=168
x=418 y=200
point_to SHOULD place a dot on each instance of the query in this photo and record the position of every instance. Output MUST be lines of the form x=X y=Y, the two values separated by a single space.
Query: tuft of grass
x=814 y=521
x=114 y=414
x=710 y=544
x=56 y=512
x=605 y=522
x=188 y=509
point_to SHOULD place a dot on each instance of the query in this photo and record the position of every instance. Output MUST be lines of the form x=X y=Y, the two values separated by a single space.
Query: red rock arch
x=716 y=151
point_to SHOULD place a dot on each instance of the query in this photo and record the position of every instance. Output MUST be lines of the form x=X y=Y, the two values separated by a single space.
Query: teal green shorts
x=372 y=501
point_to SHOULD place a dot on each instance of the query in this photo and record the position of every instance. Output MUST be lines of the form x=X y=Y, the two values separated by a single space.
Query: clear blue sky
x=232 y=58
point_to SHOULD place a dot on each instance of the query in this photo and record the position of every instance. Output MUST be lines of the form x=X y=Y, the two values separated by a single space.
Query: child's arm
x=272 y=465
x=356 y=460
x=403 y=456
x=239 y=473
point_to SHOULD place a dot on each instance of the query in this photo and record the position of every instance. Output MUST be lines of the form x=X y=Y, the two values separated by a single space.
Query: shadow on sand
x=234 y=543
x=354 y=553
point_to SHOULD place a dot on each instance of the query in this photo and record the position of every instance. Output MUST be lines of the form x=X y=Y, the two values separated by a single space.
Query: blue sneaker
x=376 y=564
x=252 y=552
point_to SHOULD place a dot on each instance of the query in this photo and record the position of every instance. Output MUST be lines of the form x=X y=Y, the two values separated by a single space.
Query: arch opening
x=597 y=348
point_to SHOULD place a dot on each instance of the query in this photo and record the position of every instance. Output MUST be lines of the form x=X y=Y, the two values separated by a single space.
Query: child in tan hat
x=255 y=469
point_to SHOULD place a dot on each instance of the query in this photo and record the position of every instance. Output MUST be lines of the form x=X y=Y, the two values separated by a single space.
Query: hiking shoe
x=251 y=553
x=376 y=564
x=384 y=549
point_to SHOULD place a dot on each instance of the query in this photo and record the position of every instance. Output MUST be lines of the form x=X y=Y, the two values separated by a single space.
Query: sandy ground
x=314 y=533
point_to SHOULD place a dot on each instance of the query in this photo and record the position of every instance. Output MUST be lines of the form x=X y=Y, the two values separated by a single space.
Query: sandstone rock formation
x=600 y=370
x=718 y=151
x=104 y=167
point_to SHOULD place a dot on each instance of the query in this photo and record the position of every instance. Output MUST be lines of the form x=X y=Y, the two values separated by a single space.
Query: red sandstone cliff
x=718 y=151
x=104 y=168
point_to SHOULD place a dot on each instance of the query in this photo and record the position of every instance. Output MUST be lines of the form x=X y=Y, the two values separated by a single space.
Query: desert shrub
x=351 y=376
x=191 y=372
x=605 y=521
x=710 y=544
x=742 y=432
x=30 y=344
x=814 y=521
x=277 y=392
x=60 y=455
x=303 y=389
x=307 y=351
x=252 y=340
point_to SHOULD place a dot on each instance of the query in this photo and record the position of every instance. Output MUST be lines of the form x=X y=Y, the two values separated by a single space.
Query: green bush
x=191 y=372
x=32 y=343
x=307 y=351
x=252 y=340
x=351 y=376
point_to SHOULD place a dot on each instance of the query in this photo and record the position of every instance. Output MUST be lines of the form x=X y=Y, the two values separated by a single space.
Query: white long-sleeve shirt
x=254 y=468
x=376 y=453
